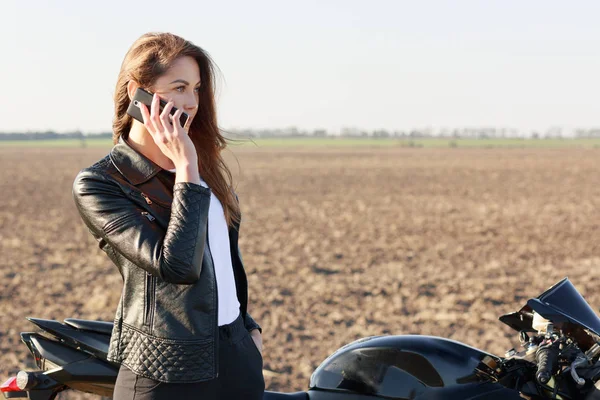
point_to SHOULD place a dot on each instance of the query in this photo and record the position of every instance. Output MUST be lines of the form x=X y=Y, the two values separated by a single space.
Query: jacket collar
x=134 y=166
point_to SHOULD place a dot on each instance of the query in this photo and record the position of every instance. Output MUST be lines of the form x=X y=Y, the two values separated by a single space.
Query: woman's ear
x=132 y=86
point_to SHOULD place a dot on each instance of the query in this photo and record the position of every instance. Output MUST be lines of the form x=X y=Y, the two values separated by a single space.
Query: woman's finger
x=164 y=116
x=177 y=120
x=155 y=113
x=145 y=117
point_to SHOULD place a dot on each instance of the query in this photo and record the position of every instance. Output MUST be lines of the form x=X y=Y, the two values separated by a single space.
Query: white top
x=218 y=243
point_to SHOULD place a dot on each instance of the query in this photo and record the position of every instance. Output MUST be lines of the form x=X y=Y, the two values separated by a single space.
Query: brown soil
x=338 y=245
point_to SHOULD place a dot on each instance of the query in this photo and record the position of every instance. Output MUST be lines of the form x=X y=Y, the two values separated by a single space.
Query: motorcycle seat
x=88 y=325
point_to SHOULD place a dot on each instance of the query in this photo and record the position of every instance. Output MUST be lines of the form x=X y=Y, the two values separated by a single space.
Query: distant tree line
x=291 y=132
x=50 y=135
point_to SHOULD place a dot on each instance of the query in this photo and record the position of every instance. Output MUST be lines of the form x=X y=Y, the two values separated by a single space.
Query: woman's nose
x=190 y=104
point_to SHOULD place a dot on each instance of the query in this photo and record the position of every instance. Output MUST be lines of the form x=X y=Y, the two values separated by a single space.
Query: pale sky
x=312 y=64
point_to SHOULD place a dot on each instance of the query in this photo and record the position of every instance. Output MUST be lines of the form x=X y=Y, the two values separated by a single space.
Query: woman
x=161 y=206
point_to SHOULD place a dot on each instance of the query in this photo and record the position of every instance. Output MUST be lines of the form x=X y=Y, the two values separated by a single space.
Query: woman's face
x=181 y=84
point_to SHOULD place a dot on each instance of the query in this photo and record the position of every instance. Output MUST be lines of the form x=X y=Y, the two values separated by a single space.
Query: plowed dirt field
x=338 y=244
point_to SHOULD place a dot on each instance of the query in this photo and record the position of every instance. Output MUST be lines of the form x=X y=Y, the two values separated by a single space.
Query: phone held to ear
x=145 y=97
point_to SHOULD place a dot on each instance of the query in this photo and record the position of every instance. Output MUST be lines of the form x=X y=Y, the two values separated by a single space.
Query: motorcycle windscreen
x=561 y=303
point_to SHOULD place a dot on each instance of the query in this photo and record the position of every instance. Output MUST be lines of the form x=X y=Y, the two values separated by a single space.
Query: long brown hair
x=148 y=58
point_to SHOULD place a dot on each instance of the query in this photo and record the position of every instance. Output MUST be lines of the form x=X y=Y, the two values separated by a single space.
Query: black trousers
x=240 y=374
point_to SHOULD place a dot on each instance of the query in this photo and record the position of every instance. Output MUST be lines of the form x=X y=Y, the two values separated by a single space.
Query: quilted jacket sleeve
x=175 y=255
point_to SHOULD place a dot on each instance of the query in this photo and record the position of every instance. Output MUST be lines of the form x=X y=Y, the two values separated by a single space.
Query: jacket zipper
x=216 y=302
x=153 y=303
x=149 y=305
x=148 y=199
x=148 y=215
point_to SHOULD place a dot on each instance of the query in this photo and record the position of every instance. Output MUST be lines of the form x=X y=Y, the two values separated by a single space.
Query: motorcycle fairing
x=92 y=326
x=404 y=367
x=561 y=303
x=92 y=342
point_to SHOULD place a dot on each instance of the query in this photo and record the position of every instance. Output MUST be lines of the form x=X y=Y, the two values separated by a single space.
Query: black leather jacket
x=155 y=232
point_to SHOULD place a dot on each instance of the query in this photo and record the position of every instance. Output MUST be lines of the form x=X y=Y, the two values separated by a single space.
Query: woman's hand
x=168 y=134
x=257 y=337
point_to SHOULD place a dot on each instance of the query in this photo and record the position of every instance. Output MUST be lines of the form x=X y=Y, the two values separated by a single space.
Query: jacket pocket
x=148 y=199
x=117 y=222
x=149 y=300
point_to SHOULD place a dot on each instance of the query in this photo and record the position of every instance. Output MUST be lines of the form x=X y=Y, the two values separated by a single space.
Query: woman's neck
x=140 y=140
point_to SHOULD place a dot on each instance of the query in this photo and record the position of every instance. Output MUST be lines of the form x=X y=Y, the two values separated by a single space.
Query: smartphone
x=145 y=97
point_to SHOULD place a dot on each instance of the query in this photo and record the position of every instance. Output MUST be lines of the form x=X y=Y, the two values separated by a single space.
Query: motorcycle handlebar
x=547 y=361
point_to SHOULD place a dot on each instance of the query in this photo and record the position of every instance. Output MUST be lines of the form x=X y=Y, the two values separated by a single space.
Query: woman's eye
x=182 y=88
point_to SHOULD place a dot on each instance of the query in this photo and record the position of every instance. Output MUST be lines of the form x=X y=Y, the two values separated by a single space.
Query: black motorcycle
x=559 y=332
